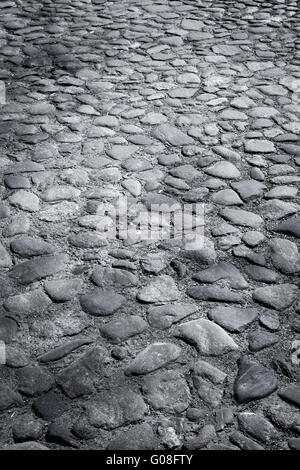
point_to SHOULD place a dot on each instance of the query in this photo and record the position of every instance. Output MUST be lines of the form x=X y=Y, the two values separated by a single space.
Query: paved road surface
x=110 y=339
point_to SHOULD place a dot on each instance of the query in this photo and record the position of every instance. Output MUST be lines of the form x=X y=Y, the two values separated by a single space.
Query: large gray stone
x=208 y=338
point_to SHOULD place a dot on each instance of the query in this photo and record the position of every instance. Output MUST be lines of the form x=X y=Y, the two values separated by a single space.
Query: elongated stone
x=153 y=357
x=38 y=268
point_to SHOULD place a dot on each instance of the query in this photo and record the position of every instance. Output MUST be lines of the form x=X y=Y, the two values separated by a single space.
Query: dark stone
x=64 y=350
x=101 y=302
x=253 y=381
x=138 y=437
x=51 y=405
x=214 y=294
x=33 y=380
x=260 y=339
x=123 y=328
x=8 y=329
x=291 y=394
x=28 y=246
x=78 y=378
x=38 y=268
x=9 y=398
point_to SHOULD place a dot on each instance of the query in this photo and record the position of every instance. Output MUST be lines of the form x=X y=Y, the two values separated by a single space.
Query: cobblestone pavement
x=127 y=343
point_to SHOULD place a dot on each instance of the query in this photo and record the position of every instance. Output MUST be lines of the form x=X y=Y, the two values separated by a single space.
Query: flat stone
x=171 y=135
x=213 y=294
x=153 y=118
x=291 y=394
x=208 y=338
x=63 y=350
x=106 y=121
x=164 y=316
x=223 y=170
x=17 y=182
x=253 y=381
x=115 y=408
x=270 y=319
x=291 y=149
x=25 y=200
x=27 y=166
x=27 y=427
x=5 y=258
x=59 y=193
x=113 y=277
x=5 y=288
x=78 y=378
x=258 y=427
x=123 y=328
x=100 y=302
x=253 y=238
x=208 y=382
x=233 y=319
x=167 y=391
x=59 y=212
x=222 y=271
x=18 y=224
x=260 y=339
x=153 y=357
x=276 y=209
x=9 y=398
x=233 y=115
x=161 y=289
x=249 y=189
x=42 y=109
x=290 y=226
x=61 y=290
x=205 y=436
x=50 y=405
x=29 y=246
x=226 y=197
x=87 y=240
x=261 y=274
x=180 y=93
x=38 y=268
x=33 y=380
x=226 y=49
x=244 y=442
x=153 y=263
x=136 y=165
x=227 y=153
x=282 y=192
x=121 y=152
x=186 y=172
x=284 y=255
x=15 y=357
x=138 y=437
x=33 y=302
x=241 y=217
x=202 y=250
x=188 y=78
x=263 y=112
x=278 y=297
x=259 y=146
x=8 y=329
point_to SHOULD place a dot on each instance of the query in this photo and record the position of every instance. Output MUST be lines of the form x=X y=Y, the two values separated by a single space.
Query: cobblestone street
x=123 y=342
